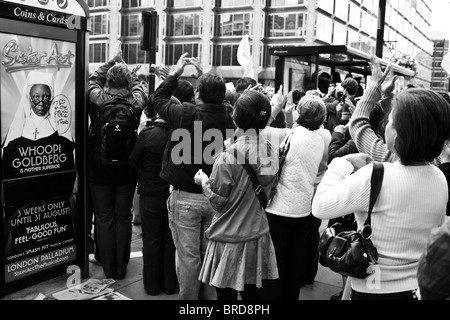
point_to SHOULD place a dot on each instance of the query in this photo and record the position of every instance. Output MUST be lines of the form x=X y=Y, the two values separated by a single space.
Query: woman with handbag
x=240 y=253
x=413 y=196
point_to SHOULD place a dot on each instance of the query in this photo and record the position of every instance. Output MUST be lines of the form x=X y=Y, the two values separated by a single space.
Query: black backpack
x=113 y=135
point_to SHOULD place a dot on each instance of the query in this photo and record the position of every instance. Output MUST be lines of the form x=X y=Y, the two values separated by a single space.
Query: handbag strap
x=375 y=187
x=284 y=148
x=251 y=173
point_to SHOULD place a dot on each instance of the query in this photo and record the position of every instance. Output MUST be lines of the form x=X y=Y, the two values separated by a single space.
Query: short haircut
x=211 y=88
x=421 y=118
x=231 y=96
x=251 y=110
x=119 y=76
x=351 y=85
x=297 y=95
x=311 y=112
x=243 y=84
x=184 y=92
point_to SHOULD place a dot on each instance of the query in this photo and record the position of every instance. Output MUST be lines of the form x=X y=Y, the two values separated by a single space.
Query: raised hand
x=197 y=64
x=388 y=85
x=162 y=72
x=378 y=76
x=136 y=69
x=182 y=62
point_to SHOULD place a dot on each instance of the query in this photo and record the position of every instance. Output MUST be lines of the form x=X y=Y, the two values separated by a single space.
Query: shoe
x=336 y=296
x=119 y=276
x=93 y=258
x=169 y=291
x=152 y=292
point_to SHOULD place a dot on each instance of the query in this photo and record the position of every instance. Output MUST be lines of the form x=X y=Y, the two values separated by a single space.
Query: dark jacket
x=341 y=145
x=445 y=168
x=333 y=116
x=179 y=167
x=147 y=156
x=97 y=173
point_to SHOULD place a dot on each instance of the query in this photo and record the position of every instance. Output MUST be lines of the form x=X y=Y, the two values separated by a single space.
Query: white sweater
x=412 y=202
x=296 y=186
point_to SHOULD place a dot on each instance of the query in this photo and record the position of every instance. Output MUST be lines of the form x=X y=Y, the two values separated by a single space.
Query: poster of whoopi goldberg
x=38 y=150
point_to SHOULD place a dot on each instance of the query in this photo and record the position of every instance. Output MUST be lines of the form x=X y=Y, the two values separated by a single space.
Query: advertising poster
x=37 y=99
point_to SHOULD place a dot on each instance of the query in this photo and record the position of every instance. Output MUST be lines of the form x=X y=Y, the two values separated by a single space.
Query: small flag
x=244 y=58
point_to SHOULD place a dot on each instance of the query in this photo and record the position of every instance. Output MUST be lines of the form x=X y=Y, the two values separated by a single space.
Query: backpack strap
x=251 y=173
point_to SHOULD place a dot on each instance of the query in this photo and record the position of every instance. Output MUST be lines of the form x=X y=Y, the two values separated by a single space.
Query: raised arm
x=365 y=138
x=169 y=110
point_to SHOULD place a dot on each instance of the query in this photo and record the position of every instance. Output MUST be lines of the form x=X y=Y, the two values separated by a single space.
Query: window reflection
x=287 y=25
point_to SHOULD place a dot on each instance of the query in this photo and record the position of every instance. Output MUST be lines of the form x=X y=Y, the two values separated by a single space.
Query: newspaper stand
x=44 y=46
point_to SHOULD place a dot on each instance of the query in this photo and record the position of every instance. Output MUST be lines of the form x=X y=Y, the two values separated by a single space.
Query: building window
x=226 y=55
x=133 y=54
x=174 y=51
x=324 y=26
x=98 y=3
x=341 y=10
x=235 y=3
x=287 y=25
x=339 y=34
x=234 y=24
x=184 y=3
x=131 y=4
x=100 y=25
x=98 y=52
x=130 y=25
x=184 y=25
x=284 y=3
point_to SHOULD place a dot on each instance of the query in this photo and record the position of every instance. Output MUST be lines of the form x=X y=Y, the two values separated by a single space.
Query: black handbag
x=349 y=252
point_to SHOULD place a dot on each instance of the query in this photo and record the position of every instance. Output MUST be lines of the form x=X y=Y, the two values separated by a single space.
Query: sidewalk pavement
x=327 y=282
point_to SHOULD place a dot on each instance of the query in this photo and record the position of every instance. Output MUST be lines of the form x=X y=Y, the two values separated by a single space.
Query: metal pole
x=149 y=42
x=380 y=30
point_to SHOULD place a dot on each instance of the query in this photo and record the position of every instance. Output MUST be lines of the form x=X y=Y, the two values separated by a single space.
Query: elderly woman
x=289 y=213
x=413 y=195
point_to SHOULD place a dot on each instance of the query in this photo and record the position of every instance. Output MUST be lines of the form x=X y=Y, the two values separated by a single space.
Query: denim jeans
x=112 y=209
x=190 y=214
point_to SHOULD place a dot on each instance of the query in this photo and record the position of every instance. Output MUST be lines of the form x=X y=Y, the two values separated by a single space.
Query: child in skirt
x=240 y=252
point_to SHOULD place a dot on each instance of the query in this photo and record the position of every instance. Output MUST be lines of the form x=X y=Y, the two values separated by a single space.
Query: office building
x=212 y=30
x=440 y=79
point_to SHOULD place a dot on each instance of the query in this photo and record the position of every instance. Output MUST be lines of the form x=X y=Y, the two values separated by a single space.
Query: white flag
x=446 y=63
x=244 y=58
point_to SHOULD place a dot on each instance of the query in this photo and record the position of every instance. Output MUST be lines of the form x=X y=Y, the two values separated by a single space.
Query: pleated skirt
x=232 y=265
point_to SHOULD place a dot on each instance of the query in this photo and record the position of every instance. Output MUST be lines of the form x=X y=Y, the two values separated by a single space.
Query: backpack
x=113 y=135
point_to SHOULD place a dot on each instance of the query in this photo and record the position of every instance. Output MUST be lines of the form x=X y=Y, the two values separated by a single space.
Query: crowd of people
x=221 y=220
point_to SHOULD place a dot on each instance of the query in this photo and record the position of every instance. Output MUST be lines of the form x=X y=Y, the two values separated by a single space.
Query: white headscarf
x=24 y=111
